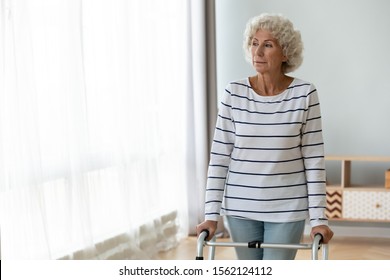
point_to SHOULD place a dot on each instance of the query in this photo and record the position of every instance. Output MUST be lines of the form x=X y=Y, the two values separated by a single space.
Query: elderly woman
x=267 y=171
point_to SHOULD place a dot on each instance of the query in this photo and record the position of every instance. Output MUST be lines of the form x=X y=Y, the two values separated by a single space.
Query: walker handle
x=201 y=239
x=317 y=242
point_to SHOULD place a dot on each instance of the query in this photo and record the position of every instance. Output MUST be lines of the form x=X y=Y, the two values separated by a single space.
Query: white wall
x=347 y=56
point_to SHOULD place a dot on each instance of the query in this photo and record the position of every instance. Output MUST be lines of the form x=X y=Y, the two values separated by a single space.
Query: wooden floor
x=341 y=248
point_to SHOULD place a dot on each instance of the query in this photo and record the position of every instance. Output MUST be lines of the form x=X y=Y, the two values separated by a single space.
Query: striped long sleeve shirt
x=267 y=157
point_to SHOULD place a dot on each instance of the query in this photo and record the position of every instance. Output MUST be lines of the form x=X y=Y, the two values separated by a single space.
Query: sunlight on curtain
x=92 y=128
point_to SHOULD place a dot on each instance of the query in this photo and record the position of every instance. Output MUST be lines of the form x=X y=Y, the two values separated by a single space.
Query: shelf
x=376 y=188
x=347 y=201
x=346 y=165
x=333 y=186
x=358 y=158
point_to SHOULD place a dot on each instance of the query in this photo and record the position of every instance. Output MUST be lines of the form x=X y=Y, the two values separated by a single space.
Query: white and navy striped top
x=267 y=158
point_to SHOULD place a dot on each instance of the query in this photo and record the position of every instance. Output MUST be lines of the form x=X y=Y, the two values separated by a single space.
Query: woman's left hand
x=325 y=231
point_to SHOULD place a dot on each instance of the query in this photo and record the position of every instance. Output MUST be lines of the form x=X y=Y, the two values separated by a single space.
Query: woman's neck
x=267 y=85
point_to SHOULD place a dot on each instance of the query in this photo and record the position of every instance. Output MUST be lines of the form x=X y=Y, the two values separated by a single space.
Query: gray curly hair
x=283 y=30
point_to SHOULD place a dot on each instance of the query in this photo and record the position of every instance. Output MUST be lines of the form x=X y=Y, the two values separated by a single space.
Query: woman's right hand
x=211 y=226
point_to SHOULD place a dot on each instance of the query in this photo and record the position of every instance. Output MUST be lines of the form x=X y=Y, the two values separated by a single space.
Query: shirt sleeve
x=220 y=155
x=314 y=161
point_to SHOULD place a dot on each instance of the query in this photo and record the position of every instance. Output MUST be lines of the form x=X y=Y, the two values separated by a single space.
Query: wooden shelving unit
x=346 y=201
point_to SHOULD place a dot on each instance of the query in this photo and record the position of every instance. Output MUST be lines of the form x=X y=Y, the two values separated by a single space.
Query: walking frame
x=314 y=247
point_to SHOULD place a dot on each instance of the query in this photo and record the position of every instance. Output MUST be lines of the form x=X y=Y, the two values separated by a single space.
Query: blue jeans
x=243 y=230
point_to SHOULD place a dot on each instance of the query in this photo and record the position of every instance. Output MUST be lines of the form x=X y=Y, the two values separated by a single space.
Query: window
x=92 y=122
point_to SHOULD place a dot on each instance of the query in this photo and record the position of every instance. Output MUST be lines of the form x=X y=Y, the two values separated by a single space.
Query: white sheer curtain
x=94 y=135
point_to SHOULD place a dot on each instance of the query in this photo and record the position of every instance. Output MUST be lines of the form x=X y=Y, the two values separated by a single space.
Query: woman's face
x=267 y=54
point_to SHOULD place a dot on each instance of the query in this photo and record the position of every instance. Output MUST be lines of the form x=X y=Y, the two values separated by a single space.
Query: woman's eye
x=268 y=45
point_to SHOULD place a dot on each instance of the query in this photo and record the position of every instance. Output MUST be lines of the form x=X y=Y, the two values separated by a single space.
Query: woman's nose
x=259 y=51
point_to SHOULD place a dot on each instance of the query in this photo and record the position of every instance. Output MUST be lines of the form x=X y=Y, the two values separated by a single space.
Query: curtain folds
x=197 y=108
x=102 y=131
